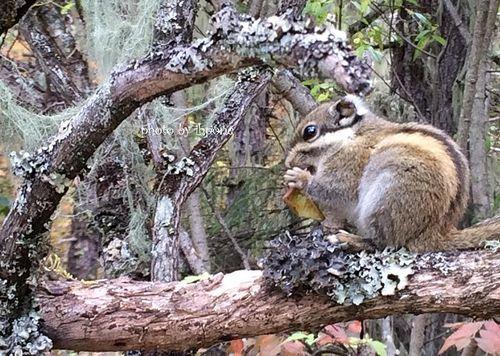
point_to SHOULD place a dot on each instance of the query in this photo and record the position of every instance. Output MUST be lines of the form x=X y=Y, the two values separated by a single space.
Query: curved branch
x=122 y=314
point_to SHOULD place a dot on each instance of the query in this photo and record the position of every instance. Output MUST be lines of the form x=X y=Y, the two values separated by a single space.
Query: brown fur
x=398 y=184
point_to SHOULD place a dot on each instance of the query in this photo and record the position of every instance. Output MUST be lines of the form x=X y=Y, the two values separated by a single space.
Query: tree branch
x=121 y=314
x=293 y=91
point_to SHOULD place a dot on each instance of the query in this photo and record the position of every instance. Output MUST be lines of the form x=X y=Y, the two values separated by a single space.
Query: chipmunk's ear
x=345 y=108
x=348 y=106
x=347 y=111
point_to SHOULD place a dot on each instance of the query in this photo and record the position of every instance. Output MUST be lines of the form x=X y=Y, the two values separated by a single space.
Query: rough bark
x=197 y=240
x=47 y=33
x=83 y=252
x=480 y=191
x=477 y=51
x=37 y=29
x=197 y=229
x=417 y=337
x=173 y=26
x=430 y=84
x=121 y=314
x=293 y=91
x=388 y=336
x=195 y=261
x=174 y=23
x=445 y=90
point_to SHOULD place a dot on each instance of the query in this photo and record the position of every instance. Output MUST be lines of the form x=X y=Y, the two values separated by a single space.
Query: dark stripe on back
x=455 y=154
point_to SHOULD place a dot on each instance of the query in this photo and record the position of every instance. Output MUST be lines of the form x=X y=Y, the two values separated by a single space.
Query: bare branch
x=293 y=90
x=122 y=314
x=464 y=32
x=227 y=230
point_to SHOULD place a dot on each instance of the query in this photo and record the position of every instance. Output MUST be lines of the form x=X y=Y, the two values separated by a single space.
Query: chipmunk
x=399 y=185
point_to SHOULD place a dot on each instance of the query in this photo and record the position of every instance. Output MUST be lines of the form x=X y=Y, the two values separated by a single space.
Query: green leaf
x=439 y=39
x=200 y=277
x=487 y=146
x=67 y=7
x=310 y=82
x=315 y=90
x=325 y=85
x=364 y=6
x=422 y=19
x=300 y=335
x=360 y=51
x=420 y=45
x=375 y=54
x=323 y=97
x=310 y=340
x=422 y=34
x=379 y=347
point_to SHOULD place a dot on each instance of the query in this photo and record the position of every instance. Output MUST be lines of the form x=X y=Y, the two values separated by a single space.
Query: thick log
x=123 y=314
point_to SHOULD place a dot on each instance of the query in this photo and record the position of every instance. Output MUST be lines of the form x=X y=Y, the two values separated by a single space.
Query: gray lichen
x=316 y=51
x=25 y=165
x=19 y=319
x=493 y=245
x=20 y=335
x=184 y=165
x=313 y=264
x=25 y=338
x=276 y=40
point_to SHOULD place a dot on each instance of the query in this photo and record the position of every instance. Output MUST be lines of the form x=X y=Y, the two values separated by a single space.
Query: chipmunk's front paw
x=297 y=178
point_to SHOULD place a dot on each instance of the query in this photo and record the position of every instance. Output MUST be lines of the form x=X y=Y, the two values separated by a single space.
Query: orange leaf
x=489 y=341
x=236 y=347
x=324 y=339
x=355 y=326
x=337 y=332
x=293 y=348
x=462 y=337
x=301 y=205
x=268 y=344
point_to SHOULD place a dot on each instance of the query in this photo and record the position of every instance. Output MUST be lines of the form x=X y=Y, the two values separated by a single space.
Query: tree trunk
x=477 y=52
x=478 y=132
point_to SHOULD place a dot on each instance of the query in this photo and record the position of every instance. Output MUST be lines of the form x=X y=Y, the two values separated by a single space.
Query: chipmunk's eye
x=310 y=132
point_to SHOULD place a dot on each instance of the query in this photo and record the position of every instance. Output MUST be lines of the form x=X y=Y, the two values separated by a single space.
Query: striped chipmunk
x=398 y=185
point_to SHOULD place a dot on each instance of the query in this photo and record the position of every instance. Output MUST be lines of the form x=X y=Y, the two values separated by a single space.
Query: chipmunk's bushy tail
x=474 y=236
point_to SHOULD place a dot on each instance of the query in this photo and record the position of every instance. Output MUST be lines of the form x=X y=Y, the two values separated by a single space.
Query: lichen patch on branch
x=311 y=263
